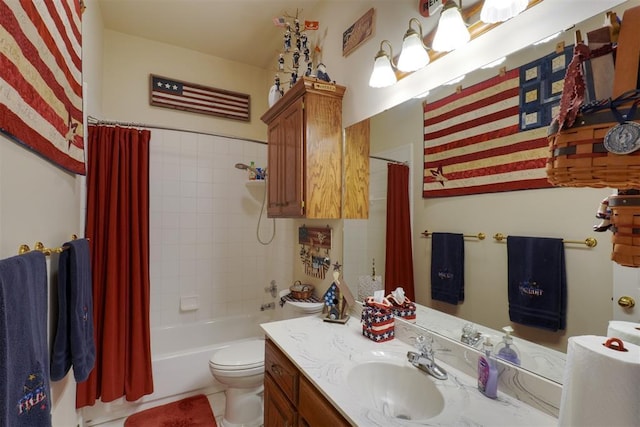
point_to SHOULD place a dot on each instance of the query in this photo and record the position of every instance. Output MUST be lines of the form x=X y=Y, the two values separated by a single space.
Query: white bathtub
x=181 y=363
x=181 y=353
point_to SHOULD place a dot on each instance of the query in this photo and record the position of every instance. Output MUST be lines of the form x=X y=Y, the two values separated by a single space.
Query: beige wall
x=128 y=61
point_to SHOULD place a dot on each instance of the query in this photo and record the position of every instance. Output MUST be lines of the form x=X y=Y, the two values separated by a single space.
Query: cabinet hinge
x=302 y=204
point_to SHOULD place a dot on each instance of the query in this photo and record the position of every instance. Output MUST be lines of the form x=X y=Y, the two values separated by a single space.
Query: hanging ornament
x=296 y=59
x=287 y=41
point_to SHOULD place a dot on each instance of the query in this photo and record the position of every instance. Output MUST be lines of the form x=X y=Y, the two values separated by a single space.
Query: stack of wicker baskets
x=579 y=157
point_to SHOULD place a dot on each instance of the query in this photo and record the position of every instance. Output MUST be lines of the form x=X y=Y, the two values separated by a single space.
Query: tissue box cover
x=406 y=311
x=377 y=323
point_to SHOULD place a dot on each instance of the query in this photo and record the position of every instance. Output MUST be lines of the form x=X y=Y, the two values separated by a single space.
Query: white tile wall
x=203 y=220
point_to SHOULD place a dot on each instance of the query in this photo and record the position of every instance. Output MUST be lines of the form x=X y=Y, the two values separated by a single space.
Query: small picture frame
x=359 y=32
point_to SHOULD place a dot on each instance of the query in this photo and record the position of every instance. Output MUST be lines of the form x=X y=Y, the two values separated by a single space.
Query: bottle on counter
x=252 y=171
x=506 y=349
x=488 y=370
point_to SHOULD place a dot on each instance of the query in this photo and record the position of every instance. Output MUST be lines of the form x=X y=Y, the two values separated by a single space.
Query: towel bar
x=39 y=246
x=479 y=236
x=590 y=242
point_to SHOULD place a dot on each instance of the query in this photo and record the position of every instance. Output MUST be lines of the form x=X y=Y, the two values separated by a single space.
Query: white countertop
x=324 y=352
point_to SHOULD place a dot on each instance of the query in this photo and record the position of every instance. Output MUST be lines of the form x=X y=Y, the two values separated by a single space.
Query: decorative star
x=72 y=128
x=336 y=266
x=438 y=176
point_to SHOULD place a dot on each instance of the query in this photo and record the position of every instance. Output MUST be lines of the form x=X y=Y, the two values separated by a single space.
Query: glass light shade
x=413 y=55
x=501 y=10
x=452 y=31
x=382 y=74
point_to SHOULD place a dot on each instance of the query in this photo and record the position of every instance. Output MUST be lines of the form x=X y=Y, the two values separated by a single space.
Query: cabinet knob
x=626 y=302
x=276 y=369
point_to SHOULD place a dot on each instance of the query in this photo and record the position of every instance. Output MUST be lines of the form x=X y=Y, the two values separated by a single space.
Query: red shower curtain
x=398 y=269
x=118 y=228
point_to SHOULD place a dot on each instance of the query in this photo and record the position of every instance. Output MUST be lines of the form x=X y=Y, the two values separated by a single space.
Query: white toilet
x=240 y=367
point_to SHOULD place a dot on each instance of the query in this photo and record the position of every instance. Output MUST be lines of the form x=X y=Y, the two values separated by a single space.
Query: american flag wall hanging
x=41 y=78
x=179 y=95
x=491 y=137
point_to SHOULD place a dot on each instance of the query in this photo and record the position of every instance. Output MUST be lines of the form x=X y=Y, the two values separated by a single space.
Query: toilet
x=240 y=367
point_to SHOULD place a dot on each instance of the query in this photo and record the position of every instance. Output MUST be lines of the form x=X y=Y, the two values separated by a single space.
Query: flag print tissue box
x=377 y=320
x=401 y=306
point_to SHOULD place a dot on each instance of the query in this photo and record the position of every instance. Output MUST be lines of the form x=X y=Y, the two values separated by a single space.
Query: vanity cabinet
x=305 y=152
x=290 y=399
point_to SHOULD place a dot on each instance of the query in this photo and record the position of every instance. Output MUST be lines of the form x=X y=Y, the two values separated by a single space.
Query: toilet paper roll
x=600 y=385
x=626 y=331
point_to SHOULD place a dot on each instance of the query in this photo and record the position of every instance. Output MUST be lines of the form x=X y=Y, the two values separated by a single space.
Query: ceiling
x=237 y=30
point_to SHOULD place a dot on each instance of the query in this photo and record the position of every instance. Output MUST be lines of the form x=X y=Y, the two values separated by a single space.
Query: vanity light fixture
x=452 y=31
x=383 y=74
x=414 y=54
x=494 y=11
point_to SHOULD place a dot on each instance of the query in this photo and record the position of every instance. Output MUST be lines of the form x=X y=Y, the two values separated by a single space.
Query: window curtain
x=117 y=225
x=398 y=270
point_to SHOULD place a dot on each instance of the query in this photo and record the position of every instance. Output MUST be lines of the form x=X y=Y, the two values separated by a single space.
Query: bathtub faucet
x=424 y=360
x=273 y=288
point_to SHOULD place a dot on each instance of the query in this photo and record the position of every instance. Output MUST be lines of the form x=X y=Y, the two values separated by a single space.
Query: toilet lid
x=242 y=355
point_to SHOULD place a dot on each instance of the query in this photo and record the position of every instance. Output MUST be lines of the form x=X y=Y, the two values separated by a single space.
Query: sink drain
x=403 y=417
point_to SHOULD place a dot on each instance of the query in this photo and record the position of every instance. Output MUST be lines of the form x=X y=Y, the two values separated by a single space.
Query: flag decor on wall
x=479 y=140
x=41 y=78
x=179 y=95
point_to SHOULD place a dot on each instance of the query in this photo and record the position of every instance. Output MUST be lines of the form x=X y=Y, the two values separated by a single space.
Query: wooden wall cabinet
x=290 y=399
x=305 y=152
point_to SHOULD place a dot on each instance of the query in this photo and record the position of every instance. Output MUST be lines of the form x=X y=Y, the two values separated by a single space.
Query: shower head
x=244 y=166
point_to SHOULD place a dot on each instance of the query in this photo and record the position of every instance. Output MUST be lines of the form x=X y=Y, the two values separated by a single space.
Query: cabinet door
x=286 y=163
x=278 y=412
x=292 y=165
x=274 y=161
x=314 y=410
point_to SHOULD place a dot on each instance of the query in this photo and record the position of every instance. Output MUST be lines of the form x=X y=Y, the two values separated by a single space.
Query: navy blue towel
x=447 y=267
x=25 y=394
x=74 y=343
x=537 y=282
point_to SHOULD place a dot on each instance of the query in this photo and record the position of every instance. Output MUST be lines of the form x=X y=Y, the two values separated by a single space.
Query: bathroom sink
x=396 y=390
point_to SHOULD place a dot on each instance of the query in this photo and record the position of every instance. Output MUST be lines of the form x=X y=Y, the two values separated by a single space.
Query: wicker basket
x=577 y=156
x=625 y=220
x=578 y=159
x=300 y=291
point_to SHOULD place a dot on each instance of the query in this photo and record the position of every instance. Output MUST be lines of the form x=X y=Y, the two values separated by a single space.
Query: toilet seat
x=242 y=356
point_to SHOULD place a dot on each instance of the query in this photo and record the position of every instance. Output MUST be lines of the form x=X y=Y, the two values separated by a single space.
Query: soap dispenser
x=506 y=349
x=488 y=370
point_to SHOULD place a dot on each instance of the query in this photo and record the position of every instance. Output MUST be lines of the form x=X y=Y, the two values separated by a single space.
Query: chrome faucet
x=424 y=360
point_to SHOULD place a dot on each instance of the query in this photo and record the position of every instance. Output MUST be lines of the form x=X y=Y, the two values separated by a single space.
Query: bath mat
x=192 y=411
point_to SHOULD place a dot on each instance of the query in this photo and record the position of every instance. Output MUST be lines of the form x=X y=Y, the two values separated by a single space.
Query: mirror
x=567 y=213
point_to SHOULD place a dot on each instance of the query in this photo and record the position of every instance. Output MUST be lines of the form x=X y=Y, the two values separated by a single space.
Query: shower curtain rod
x=384 y=159
x=94 y=120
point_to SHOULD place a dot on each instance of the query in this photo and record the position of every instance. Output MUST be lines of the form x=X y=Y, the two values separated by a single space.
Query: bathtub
x=181 y=363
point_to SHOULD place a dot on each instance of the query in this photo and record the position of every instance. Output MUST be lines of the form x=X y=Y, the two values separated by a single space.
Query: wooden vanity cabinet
x=305 y=153
x=290 y=399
